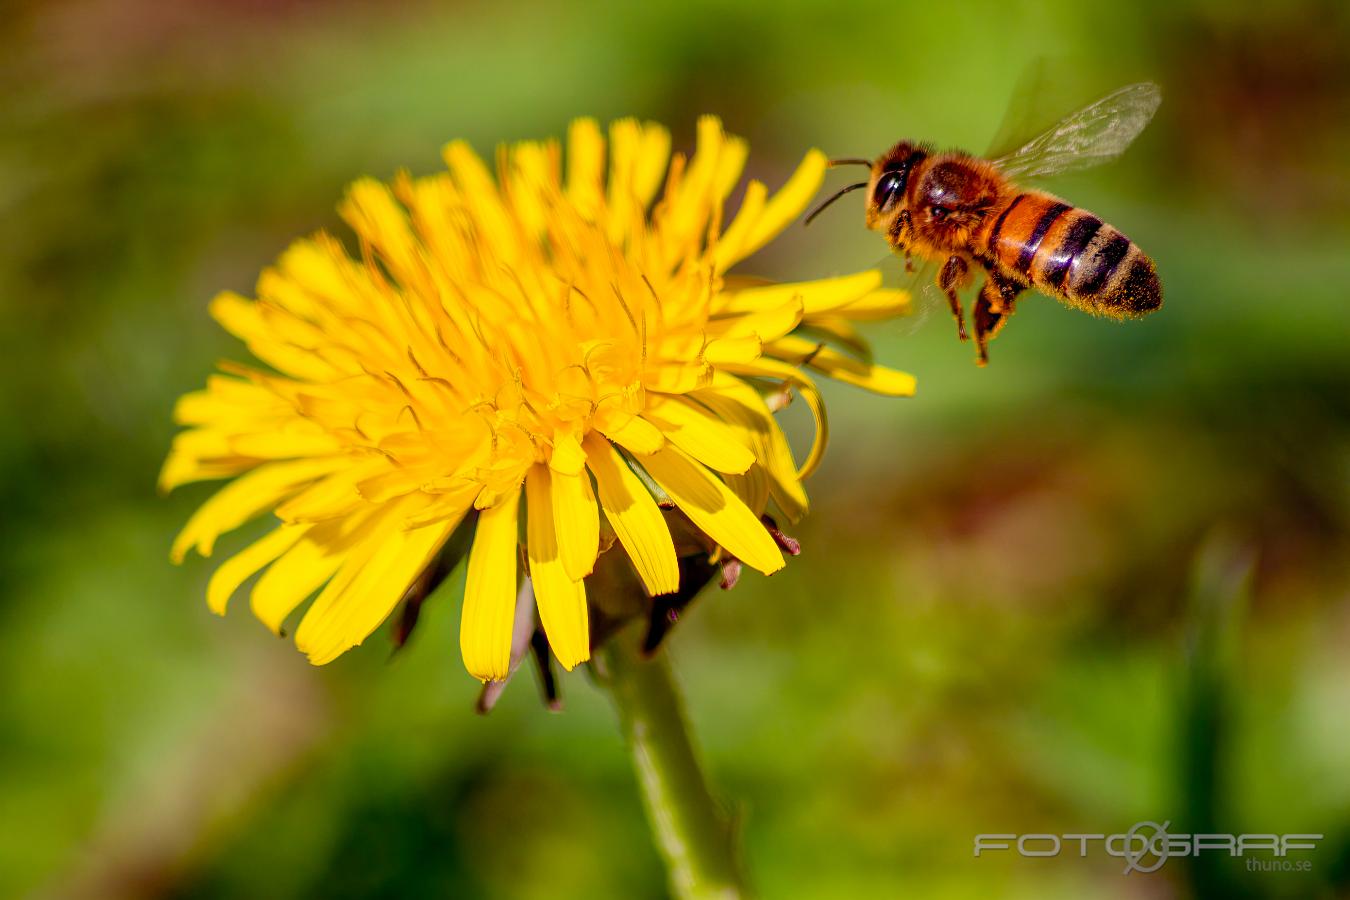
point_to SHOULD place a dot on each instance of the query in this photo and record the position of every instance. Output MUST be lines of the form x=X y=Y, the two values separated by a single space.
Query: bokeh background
x=1104 y=580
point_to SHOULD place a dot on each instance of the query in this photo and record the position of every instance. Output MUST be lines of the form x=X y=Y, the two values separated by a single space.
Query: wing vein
x=1095 y=134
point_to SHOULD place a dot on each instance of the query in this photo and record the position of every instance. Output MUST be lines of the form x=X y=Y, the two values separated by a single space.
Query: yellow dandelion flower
x=559 y=335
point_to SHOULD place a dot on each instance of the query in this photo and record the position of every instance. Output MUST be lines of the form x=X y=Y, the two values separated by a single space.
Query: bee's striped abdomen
x=1071 y=254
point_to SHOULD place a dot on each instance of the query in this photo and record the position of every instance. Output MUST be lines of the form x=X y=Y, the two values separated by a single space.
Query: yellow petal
x=794 y=377
x=561 y=598
x=653 y=155
x=839 y=331
x=767 y=324
x=236 y=570
x=303 y=569
x=820 y=296
x=633 y=434
x=386 y=485
x=179 y=470
x=729 y=248
x=532 y=182
x=228 y=399
x=370 y=209
x=714 y=508
x=479 y=192
x=786 y=205
x=741 y=349
x=753 y=488
x=490 y=592
x=730 y=164
x=625 y=207
x=332 y=496
x=585 y=165
x=284 y=444
x=739 y=404
x=634 y=516
x=677 y=378
x=200 y=454
x=879 y=379
x=578 y=521
x=686 y=212
x=567 y=455
x=367 y=587
x=244 y=320
x=697 y=431
x=246 y=497
x=877 y=305
x=447 y=503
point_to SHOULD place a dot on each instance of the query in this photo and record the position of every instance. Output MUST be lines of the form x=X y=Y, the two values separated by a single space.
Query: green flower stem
x=691 y=833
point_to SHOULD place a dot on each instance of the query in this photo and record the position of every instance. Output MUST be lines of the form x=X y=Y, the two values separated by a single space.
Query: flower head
x=564 y=335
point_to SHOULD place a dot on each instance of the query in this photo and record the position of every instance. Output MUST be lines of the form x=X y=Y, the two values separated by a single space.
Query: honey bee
x=961 y=211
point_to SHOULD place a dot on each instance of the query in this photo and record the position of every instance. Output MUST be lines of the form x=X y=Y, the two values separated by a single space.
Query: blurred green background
x=1105 y=579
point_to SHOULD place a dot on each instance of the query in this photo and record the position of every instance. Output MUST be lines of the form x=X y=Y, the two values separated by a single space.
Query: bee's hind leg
x=955 y=275
x=993 y=308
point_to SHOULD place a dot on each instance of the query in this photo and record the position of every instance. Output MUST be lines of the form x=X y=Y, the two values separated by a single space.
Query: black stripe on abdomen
x=1033 y=242
x=1079 y=236
x=1101 y=266
x=998 y=225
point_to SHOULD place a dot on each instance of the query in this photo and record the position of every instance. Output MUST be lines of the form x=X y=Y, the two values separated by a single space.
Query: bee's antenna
x=842 y=191
x=851 y=161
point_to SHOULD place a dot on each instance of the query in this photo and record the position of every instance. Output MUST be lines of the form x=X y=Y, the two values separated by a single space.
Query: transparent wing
x=1030 y=109
x=927 y=300
x=1097 y=133
x=916 y=278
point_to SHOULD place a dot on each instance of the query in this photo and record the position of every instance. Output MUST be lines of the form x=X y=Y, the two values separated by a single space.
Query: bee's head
x=886 y=191
x=886 y=187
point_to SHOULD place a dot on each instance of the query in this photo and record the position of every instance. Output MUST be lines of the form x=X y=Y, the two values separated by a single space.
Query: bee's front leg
x=898 y=235
x=955 y=275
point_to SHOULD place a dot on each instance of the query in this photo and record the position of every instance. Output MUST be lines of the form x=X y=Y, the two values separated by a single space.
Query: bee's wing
x=1097 y=133
x=1033 y=104
x=916 y=280
x=927 y=299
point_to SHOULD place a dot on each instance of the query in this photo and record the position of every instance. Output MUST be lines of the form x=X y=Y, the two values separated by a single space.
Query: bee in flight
x=961 y=211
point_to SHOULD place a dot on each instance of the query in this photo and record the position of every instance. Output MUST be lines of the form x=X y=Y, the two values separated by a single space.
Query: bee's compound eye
x=889 y=186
